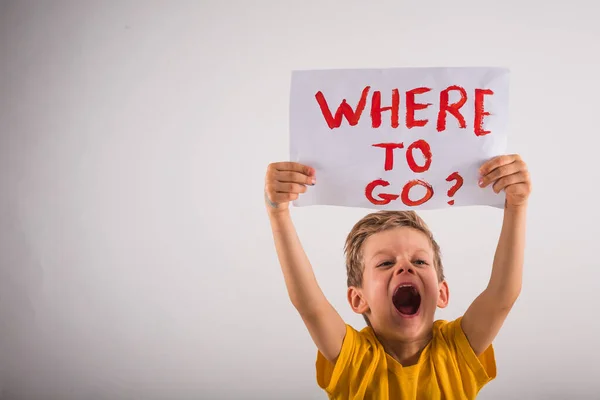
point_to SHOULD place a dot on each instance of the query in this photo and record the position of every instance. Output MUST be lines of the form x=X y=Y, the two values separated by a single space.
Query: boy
x=396 y=281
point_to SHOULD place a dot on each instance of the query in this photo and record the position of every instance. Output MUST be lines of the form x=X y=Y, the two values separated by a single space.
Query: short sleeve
x=329 y=374
x=359 y=360
x=476 y=371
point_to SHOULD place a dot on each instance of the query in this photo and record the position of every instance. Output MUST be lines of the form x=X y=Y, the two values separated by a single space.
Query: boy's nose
x=406 y=269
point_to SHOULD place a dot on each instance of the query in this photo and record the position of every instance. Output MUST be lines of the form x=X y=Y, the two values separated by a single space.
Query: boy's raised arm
x=484 y=318
x=284 y=182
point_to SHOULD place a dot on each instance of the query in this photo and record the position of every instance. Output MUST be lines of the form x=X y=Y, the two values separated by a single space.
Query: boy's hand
x=508 y=173
x=284 y=182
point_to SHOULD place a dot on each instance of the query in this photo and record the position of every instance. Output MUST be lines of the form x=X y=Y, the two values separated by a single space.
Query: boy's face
x=400 y=290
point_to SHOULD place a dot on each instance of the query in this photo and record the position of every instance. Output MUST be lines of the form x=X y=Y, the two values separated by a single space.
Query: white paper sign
x=399 y=138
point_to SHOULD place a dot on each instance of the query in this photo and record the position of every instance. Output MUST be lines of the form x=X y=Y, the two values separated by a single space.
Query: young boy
x=396 y=281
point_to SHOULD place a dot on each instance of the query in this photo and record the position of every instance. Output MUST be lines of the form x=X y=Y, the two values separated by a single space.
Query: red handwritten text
x=411 y=106
x=479 y=112
x=421 y=145
x=386 y=198
x=388 y=164
x=445 y=108
x=425 y=149
x=453 y=108
x=376 y=108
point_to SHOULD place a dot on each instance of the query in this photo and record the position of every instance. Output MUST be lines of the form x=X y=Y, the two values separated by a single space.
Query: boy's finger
x=279 y=198
x=294 y=166
x=497 y=162
x=286 y=187
x=520 y=178
x=294 y=177
x=506 y=181
x=501 y=171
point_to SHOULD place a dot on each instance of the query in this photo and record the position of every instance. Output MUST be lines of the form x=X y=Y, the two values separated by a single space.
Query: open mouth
x=407 y=299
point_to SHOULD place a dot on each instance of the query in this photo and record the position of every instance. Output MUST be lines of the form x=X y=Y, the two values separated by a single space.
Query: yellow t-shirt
x=448 y=368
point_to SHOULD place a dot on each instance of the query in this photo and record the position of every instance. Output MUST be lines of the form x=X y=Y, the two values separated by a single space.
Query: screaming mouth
x=407 y=299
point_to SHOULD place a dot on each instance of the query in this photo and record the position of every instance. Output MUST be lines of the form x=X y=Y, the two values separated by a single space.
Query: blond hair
x=378 y=222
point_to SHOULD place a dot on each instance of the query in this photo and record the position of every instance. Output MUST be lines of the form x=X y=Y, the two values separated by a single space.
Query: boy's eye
x=386 y=264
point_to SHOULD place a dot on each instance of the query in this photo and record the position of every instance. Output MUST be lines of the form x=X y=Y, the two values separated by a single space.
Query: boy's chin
x=408 y=326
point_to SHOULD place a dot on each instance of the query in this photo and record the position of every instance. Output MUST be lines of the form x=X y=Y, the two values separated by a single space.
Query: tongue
x=409 y=310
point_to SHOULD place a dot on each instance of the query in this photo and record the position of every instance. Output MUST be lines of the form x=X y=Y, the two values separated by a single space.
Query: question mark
x=455 y=176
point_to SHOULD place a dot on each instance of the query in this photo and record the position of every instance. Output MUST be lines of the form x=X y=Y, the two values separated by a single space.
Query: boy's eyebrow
x=380 y=252
x=385 y=251
x=424 y=251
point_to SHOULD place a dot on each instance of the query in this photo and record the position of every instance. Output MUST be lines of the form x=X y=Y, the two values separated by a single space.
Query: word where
x=411 y=106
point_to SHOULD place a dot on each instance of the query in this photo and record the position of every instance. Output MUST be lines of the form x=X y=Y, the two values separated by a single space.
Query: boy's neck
x=407 y=353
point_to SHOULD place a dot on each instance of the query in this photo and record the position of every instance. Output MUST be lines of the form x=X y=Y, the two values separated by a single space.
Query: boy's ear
x=443 y=295
x=356 y=300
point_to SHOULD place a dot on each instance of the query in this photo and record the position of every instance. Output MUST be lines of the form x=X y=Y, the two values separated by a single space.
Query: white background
x=136 y=260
